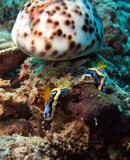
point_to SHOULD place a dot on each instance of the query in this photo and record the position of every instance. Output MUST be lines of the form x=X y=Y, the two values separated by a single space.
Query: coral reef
x=116 y=36
x=88 y=123
x=8 y=11
x=115 y=16
x=85 y=119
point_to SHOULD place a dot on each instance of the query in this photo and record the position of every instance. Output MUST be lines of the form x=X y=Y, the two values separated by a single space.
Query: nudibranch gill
x=58 y=29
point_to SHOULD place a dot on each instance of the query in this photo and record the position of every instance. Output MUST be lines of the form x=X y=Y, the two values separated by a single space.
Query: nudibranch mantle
x=58 y=29
x=100 y=77
x=50 y=105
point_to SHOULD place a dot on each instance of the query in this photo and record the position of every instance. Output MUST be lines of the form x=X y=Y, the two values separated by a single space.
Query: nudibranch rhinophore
x=58 y=29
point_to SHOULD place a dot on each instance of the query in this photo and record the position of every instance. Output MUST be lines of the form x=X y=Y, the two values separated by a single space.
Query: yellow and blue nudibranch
x=100 y=76
x=58 y=30
x=52 y=98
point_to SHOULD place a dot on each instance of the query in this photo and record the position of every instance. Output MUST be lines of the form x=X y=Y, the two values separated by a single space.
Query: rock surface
x=10 y=56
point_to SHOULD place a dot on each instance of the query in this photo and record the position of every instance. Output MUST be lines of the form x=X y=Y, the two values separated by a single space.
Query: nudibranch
x=58 y=29
x=50 y=105
x=99 y=75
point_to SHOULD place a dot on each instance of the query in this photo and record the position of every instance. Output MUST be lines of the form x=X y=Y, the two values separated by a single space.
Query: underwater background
x=70 y=109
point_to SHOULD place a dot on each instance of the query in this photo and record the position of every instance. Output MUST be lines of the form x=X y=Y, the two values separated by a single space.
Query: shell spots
x=69 y=37
x=78 y=46
x=67 y=22
x=68 y=15
x=32 y=42
x=53 y=11
x=48 y=46
x=48 y=12
x=53 y=34
x=64 y=35
x=86 y=15
x=78 y=11
x=73 y=26
x=97 y=37
x=72 y=22
x=32 y=46
x=64 y=13
x=39 y=33
x=92 y=43
x=77 y=7
x=56 y=23
x=88 y=7
x=28 y=5
x=90 y=21
x=94 y=10
x=49 y=20
x=63 y=3
x=86 y=21
x=84 y=28
x=57 y=8
x=25 y=35
x=86 y=48
x=42 y=54
x=66 y=8
x=91 y=29
x=59 y=32
x=40 y=11
x=72 y=45
x=23 y=8
x=51 y=37
x=94 y=24
x=32 y=9
x=95 y=14
x=26 y=10
x=35 y=32
x=54 y=53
